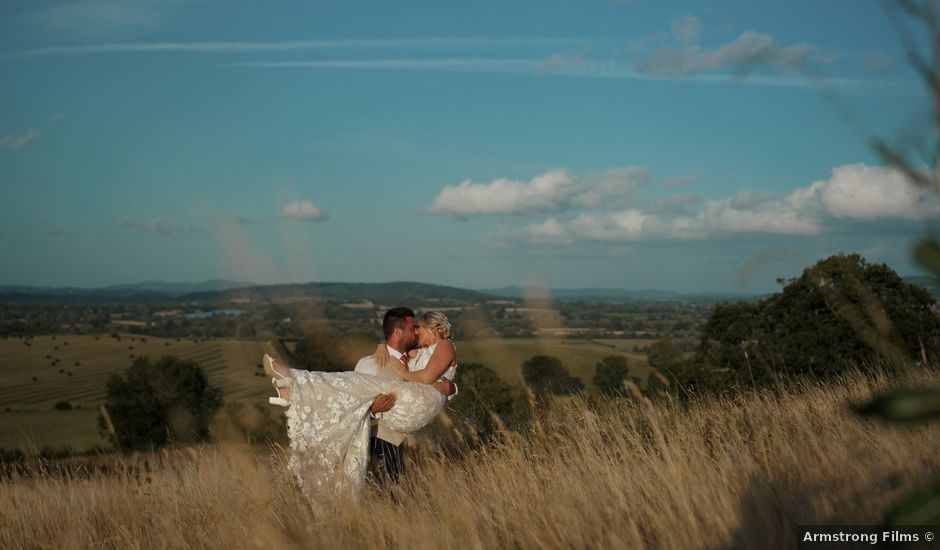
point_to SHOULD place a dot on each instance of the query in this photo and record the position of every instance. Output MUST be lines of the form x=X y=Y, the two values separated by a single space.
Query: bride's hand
x=381 y=354
x=400 y=369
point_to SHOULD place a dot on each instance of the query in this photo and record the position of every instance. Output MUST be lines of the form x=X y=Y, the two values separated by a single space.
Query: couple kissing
x=337 y=420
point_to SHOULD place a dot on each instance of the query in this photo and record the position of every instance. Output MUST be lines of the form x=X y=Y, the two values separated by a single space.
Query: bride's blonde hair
x=382 y=356
x=436 y=321
x=432 y=320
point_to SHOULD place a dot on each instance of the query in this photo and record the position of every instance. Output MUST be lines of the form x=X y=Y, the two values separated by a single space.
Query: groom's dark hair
x=395 y=318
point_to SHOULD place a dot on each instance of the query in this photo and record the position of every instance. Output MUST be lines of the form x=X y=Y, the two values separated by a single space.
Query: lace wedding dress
x=328 y=422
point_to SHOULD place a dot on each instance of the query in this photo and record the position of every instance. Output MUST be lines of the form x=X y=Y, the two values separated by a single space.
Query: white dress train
x=328 y=423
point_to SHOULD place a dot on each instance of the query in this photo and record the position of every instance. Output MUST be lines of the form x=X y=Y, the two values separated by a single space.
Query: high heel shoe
x=278 y=380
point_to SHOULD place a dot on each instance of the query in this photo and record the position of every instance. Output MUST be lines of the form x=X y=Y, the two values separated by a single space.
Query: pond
x=212 y=312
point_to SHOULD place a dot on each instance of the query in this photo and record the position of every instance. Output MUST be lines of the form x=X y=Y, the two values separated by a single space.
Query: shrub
x=546 y=374
x=664 y=354
x=610 y=374
x=481 y=391
x=840 y=313
x=155 y=402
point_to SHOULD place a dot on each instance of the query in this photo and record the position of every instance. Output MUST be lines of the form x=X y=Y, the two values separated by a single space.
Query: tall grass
x=727 y=472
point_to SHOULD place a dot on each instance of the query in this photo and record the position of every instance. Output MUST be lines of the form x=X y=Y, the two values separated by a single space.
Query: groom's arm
x=382 y=402
x=446 y=387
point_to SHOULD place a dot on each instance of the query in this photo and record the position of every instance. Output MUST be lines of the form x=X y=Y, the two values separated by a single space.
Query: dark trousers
x=384 y=460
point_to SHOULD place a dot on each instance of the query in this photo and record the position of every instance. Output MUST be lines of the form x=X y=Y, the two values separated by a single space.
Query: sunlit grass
x=620 y=473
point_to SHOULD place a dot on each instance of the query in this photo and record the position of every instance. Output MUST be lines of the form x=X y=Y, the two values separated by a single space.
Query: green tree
x=664 y=354
x=727 y=333
x=886 y=330
x=322 y=348
x=844 y=311
x=314 y=351
x=155 y=402
x=482 y=392
x=611 y=373
x=688 y=378
x=840 y=313
x=546 y=374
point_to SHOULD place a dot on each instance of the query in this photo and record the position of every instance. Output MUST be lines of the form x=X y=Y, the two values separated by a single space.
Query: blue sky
x=632 y=144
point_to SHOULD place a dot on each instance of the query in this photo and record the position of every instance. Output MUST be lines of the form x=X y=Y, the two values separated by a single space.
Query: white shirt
x=367 y=365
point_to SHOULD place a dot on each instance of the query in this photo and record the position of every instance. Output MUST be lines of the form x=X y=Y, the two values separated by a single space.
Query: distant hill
x=176 y=289
x=401 y=292
x=146 y=290
x=932 y=284
x=404 y=293
x=608 y=294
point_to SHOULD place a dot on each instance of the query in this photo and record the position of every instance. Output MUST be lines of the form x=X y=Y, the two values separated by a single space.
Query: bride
x=328 y=415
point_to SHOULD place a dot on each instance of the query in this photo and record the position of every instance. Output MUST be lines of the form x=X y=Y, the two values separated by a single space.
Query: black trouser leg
x=386 y=459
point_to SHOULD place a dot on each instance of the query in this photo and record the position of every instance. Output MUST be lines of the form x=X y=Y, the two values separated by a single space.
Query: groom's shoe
x=278 y=380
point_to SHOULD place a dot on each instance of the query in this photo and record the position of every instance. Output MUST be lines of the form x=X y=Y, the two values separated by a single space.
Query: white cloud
x=854 y=191
x=160 y=226
x=750 y=48
x=544 y=193
x=547 y=232
x=864 y=192
x=756 y=215
x=574 y=60
x=296 y=45
x=303 y=210
x=13 y=143
x=559 y=60
x=625 y=225
x=612 y=186
x=877 y=62
x=452 y=64
x=553 y=191
x=232 y=219
x=683 y=179
x=683 y=63
x=687 y=29
x=584 y=67
x=101 y=18
x=677 y=202
x=714 y=218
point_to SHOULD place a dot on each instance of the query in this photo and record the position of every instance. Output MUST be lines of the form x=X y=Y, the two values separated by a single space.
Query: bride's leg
x=280 y=374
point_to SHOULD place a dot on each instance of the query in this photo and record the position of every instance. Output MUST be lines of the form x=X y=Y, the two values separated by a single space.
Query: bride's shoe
x=278 y=380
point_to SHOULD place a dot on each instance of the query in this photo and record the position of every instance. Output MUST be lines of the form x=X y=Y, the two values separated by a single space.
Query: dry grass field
x=580 y=357
x=723 y=473
x=31 y=432
x=75 y=368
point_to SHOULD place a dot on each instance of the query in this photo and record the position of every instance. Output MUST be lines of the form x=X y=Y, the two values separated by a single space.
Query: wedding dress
x=328 y=421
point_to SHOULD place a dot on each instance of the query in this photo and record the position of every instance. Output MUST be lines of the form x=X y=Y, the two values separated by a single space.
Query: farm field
x=580 y=357
x=625 y=345
x=33 y=431
x=728 y=472
x=75 y=368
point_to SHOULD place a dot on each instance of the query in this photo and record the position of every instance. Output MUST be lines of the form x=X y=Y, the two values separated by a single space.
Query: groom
x=398 y=324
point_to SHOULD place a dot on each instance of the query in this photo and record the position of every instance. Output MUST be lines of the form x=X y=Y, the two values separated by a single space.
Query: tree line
x=841 y=313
